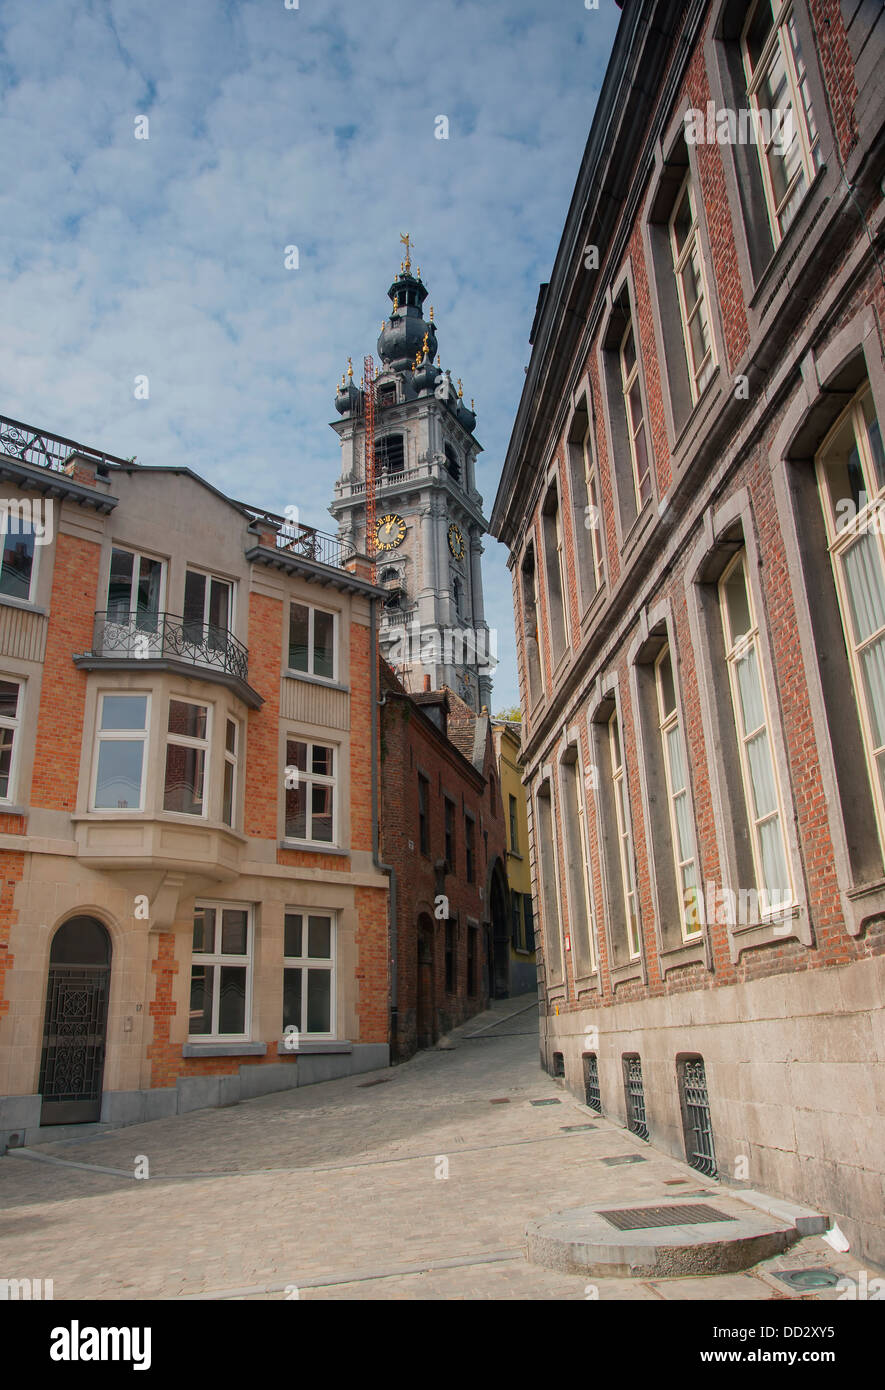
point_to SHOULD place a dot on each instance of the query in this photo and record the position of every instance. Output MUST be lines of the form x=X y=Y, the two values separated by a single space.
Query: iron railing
x=592 y=1095
x=315 y=545
x=152 y=636
x=45 y=450
x=636 y=1121
x=698 y=1127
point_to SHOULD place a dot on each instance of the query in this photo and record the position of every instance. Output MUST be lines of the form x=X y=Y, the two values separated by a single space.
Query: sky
x=271 y=127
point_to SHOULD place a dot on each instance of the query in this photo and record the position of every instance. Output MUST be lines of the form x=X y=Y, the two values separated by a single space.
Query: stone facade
x=698 y=737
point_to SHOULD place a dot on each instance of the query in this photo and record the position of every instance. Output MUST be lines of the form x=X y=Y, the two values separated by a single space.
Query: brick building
x=692 y=500
x=192 y=909
x=442 y=834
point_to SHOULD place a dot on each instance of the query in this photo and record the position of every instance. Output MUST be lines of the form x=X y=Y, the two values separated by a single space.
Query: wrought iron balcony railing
x=153 y=636
x=45 y=450
x=315 y=545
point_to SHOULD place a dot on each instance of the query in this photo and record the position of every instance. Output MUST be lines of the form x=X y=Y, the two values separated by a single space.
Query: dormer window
x=387 y=396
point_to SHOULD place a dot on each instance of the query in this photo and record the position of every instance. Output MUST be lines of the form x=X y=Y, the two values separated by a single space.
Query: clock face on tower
x=389 y=531
x=456 y=542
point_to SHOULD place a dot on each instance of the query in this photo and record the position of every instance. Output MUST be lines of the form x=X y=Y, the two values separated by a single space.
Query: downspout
x=384 y=868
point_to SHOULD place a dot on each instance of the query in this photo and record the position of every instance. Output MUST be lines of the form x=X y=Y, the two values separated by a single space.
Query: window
x=555 y=573
x=17 y=558
x=760 y=782
x=453 y=467
x=636 y=432
x=187 y=751
x=472 y=961
x=423 y=814
x=135 y=590
x=851 y=477
x=593 y=515
x=207 y=611
x=577 y=867
x=310 y=791
x=530 y=627
x=229 y=790
x=457 y=595
x=450 y=957
x=309 y=973
x=587 y=517
x=450 y=833
x=779 y=98
x=678 y=799
x=624 y=837
x=514 y=824
x=469 y=846
x=120 y=755
x=390 y=454
x=529 y=922
x=10 y=714
x=549 y=896
x=691 y=289
x=221 y=970
x=312 y=641
x=493 y=791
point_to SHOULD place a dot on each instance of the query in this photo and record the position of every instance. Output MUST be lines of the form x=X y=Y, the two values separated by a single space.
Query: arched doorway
x=75 y=1027
x=425 y=1021
x=499 y=984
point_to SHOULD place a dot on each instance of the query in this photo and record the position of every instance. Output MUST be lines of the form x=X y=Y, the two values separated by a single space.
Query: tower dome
x=402 y=337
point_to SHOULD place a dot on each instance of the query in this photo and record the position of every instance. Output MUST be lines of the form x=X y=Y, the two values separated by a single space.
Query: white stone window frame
x=312 y=609
x=629 y=378
x=217 y=959
x=12 y=724
x=137 y=557
x=667 y=722
x=308 y=778
x=779 y=44
x=203 y=744
x=305 y=962
x=121 y=736
x=548 y=888
x=700 y=376
x=594 y=500
x=35 y=556
x=572 y=752
x=624 y=834
x=231 y=759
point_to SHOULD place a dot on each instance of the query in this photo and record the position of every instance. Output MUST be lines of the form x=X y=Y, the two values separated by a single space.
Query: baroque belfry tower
x=429 y=521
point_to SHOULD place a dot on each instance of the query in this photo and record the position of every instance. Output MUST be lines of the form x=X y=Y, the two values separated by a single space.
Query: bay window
x=121 y=745
x=10 y=715
x=187 y=752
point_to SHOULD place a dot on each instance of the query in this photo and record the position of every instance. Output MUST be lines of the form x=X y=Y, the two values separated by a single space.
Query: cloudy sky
x=271 y=127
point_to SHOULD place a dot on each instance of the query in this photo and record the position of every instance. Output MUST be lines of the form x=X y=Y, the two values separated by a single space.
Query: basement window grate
x=592 y=1094
x=635 y=1092
x=643 y=1218
x=698 y=1126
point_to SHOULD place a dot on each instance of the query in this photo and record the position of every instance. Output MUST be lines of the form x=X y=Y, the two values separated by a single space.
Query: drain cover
x=573 y=1129
x=545 y=1102
x=807 y=1278
x=641 y=1218
x=623 y=1158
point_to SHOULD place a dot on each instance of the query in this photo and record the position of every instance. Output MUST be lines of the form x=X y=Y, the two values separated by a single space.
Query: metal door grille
x=591 y=1082
x=636 y=1122
x=74 y=1041
x=698 y=1129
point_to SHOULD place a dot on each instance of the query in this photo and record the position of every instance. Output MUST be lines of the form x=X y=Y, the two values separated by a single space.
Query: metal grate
x=558 y=1064
x=635 y=1093
x=623 y=1158
x=698 y=1128
x=74 y=1040
x=643 y=1218
x=592 y=1094
x=545 y=1102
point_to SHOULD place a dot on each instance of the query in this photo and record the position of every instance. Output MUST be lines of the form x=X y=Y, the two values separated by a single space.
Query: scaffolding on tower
x=369 y=420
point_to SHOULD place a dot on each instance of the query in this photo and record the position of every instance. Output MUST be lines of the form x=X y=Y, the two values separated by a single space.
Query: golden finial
x=419 y=272
x=395 y=303
x=406 y=241
x=349 y=368
x=460 y=390
x=402 y=269
x=431 y=313
x=426 y=336
x=473 y=405
x=438 y=363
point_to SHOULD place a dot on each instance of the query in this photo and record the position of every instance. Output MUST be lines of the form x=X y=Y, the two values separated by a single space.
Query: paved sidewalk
x=411 y=1183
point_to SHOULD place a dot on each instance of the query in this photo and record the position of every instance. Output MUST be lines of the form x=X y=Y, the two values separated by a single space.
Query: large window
x=752 y=723
x=555 y=573
x=470 y=847
x=636 y=431
x=187 y=754
x=312 y=641
x=514 y=824
x=691 y=288
x=549 y=891
x=624 y=836
x=120 y=753
x=531 y=641
x=221 y=968
x=10 y=715
x=779 y=97
x=135 y=590
x=678 y=798
x=851 y=475
x=208 y=609
x=309 y=973
x=423 y=814
x=17 y=538
x=577 y=867
x=450 y=834
x=310 y=791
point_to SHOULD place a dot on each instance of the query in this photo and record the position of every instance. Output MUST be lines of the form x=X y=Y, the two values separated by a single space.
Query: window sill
x=513 y=854
x=637 y=530
x=685 y=953
x=308 y=679
x=8 y=808
x=620 y=974
x=685 y=428
x=221 y=1048
x=312 y=847
x=314 y=1047
x=7 y=601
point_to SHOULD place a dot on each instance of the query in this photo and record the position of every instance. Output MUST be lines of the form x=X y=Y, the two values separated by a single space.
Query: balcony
x=316 y=545
x=169 y=641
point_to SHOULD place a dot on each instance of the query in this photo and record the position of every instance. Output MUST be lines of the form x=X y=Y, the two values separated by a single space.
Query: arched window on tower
x=390 y=454
x=452 y=464
x=457 y=594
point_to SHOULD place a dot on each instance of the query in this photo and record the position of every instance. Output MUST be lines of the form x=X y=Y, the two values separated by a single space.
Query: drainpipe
x=384 y=868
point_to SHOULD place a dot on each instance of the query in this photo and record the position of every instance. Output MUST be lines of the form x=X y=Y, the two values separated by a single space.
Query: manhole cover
x=500 y=1100
x=623 y=1158
x=573 y=1129
x=545 y=1102
x=641 y=1218
x=807 y=1278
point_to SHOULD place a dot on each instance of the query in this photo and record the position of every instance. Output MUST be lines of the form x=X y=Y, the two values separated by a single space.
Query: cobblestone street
x=338 y=1190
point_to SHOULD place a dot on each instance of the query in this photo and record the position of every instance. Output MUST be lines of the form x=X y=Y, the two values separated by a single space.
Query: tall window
x=530 y=626
x=310 y=791
x=17 y=538
x=312 y=641
x=761 y=790
x=625 y=839
x=851 y=475
x=514 y=824
x=469 y=846
x=120 y=754
x=309 y=973
x=390 y=453
x=636 y=431
x=593 y=515
x=453 y=467
x=10 y=697
x=691 y=288
x=555 y=572
x=423 y=814
x=187 y=752
x=577 y=876
x=221 y=969
x=779 y=98
x=450 y=833
x=676 y=770
x=207 y=610
x=450 y=957
x=135 y=590
x=231 y=754
x=549 y=893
